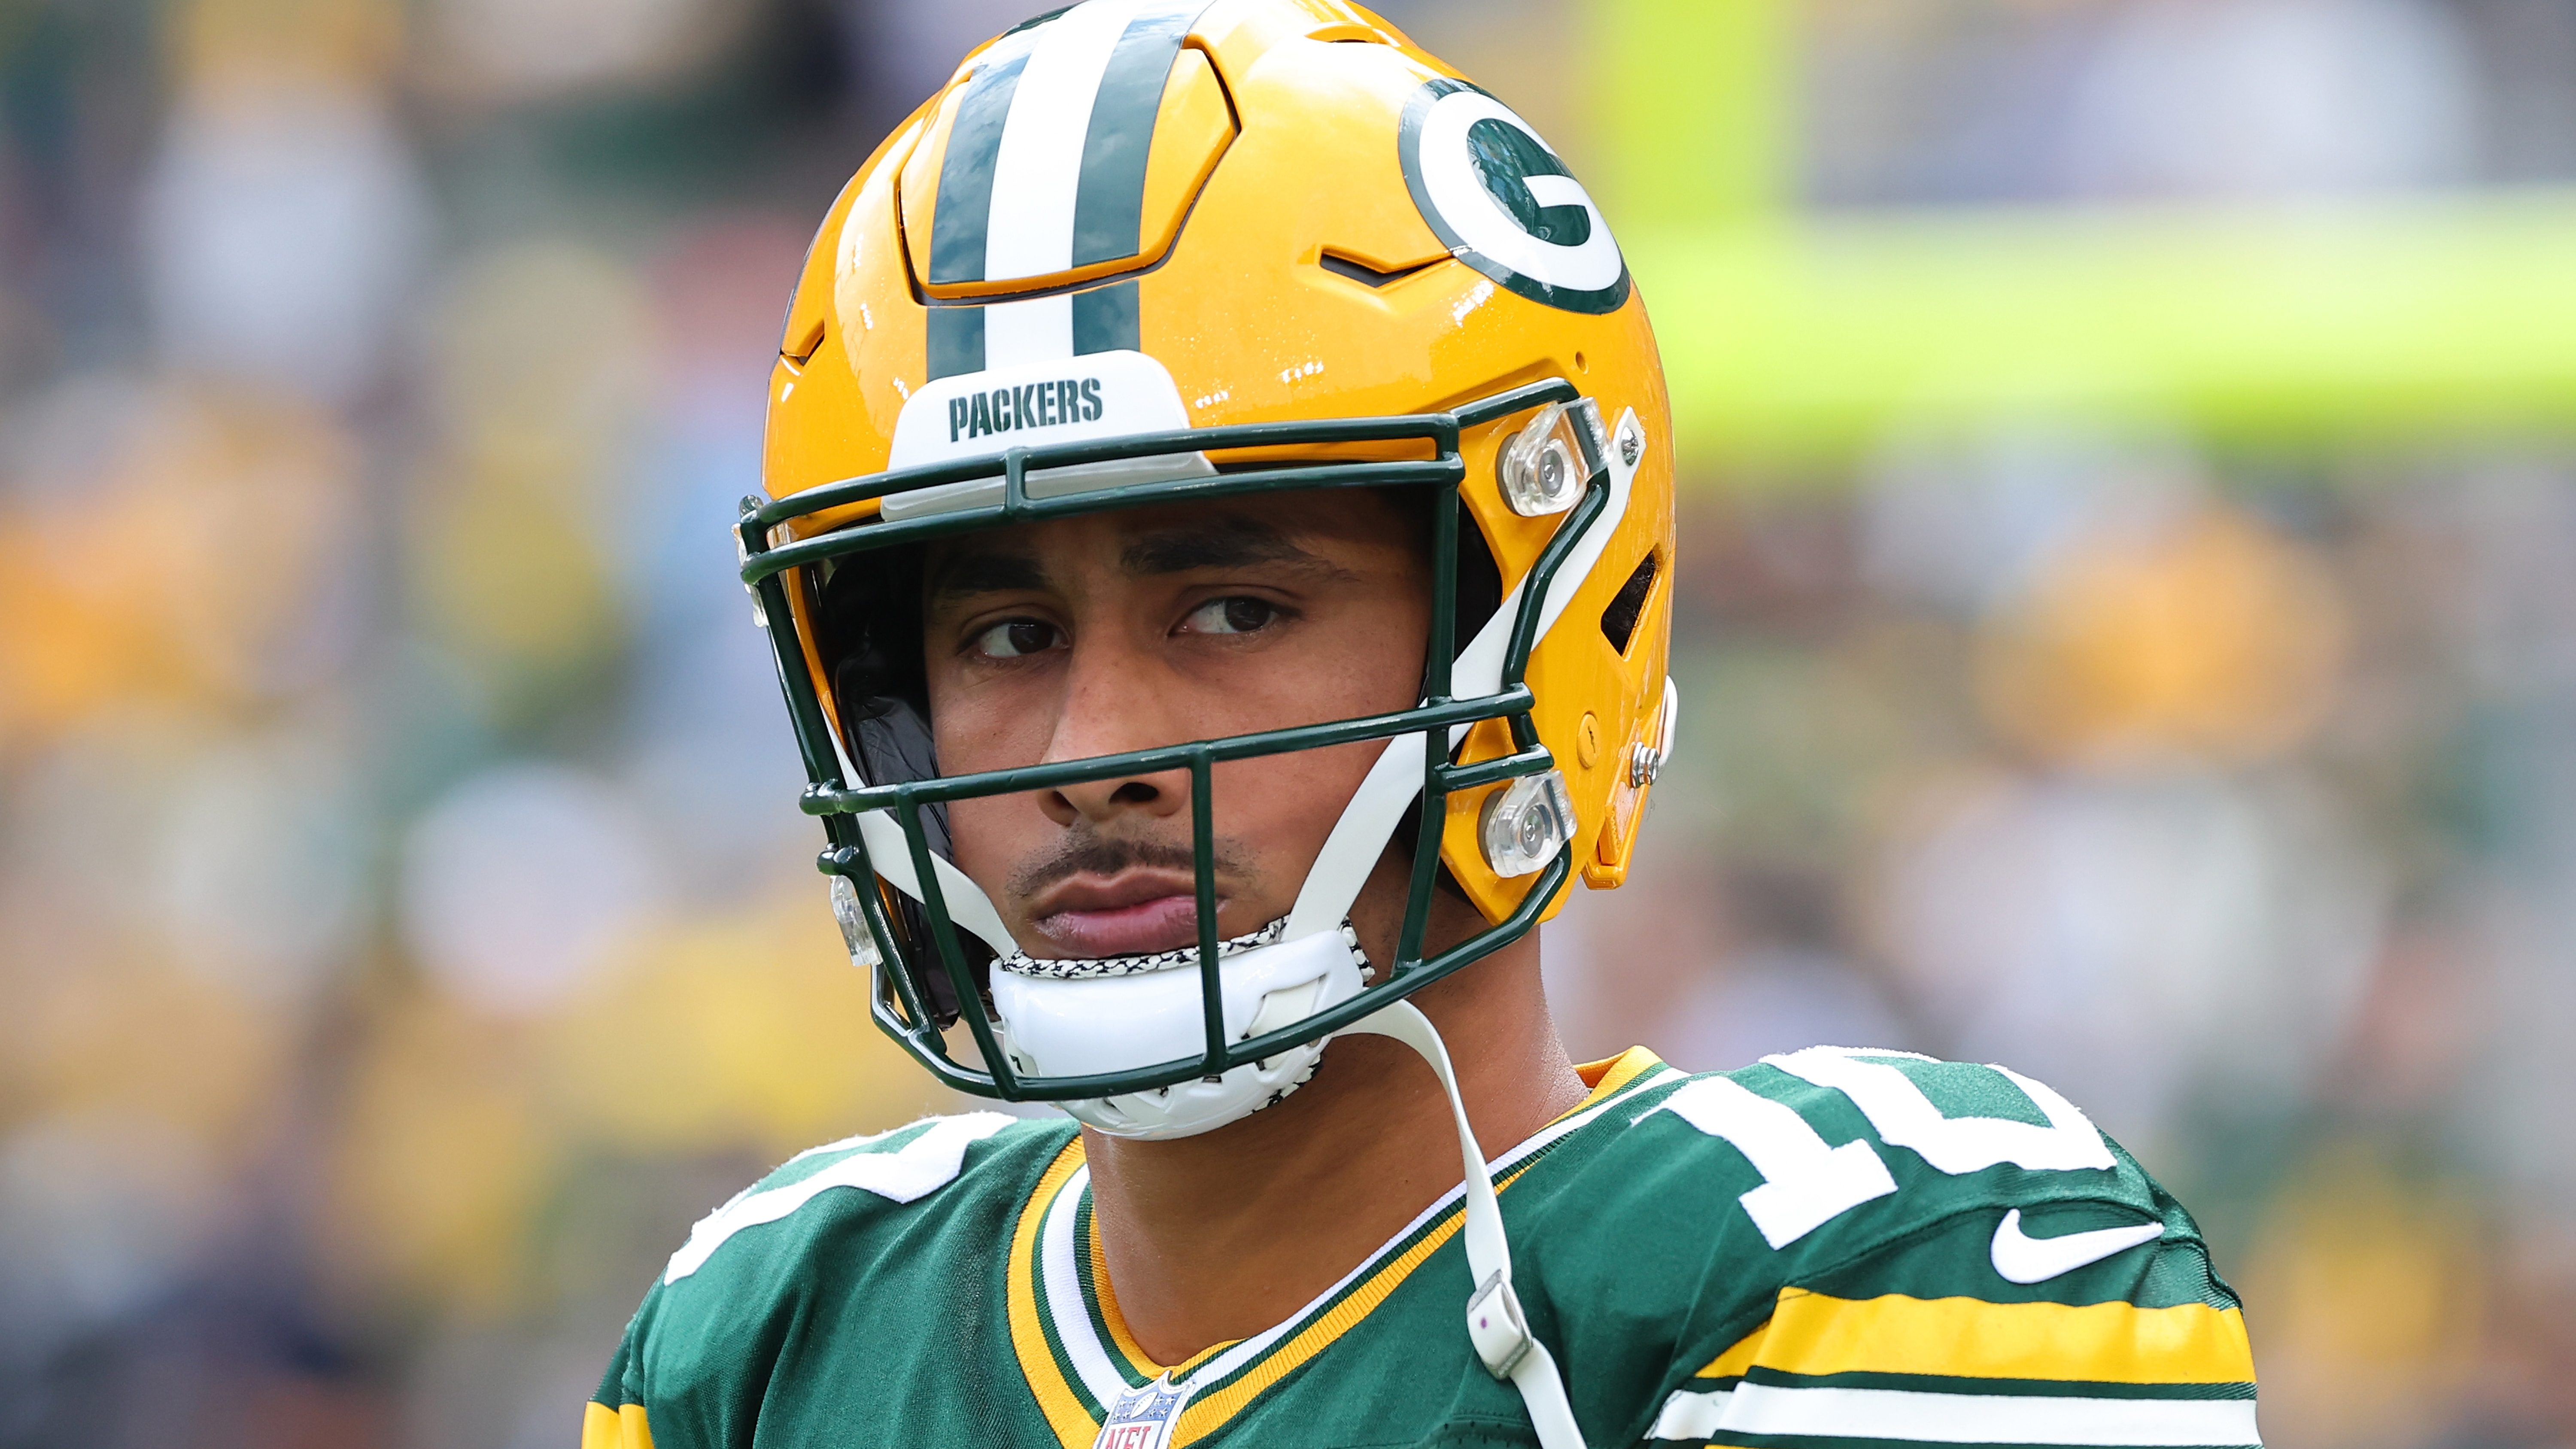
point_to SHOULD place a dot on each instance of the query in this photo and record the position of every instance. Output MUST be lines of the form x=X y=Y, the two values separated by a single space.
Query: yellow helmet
x=1137 y=251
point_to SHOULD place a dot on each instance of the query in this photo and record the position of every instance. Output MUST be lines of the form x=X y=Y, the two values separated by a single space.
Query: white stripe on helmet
x=1038 y=170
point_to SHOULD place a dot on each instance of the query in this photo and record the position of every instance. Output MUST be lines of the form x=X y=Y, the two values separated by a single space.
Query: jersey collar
x=1079 y=1358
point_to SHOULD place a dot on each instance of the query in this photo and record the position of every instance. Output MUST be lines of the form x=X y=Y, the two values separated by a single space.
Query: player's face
x=1123 y=631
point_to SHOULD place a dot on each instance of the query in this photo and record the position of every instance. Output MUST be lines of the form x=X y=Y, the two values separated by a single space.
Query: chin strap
x=1021 y=963
x=1495 y=1324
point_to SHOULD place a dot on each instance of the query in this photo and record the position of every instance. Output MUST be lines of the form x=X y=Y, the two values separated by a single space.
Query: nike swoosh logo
x=2024 y=1259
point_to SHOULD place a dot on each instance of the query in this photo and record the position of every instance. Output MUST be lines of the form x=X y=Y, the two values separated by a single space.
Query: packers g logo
x=1504 y=204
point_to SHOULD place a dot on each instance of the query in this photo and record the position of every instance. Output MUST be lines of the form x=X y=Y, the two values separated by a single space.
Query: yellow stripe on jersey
x=2120 y=1343
x=1064 y=1412
x=1732 y=1363
x=623 y=1428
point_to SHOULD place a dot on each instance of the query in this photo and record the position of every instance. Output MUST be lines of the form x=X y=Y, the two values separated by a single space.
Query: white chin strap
x=1495 y=1324
x=1058 y=1025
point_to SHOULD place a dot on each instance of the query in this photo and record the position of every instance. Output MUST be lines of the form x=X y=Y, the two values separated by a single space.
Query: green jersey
x=1828 y=1248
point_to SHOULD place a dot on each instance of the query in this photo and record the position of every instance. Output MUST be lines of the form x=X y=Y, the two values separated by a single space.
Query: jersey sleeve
x=614 y=1418
x=2130 y=1354
x=1933 y=1278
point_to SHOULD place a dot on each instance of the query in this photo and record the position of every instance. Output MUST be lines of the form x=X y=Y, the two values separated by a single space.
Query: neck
x=1220 y=1236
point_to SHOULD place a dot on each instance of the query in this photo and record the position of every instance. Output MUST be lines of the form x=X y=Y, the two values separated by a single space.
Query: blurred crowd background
x=2127 y=631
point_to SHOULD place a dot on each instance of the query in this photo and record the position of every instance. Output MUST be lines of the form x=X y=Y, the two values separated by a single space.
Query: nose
x=1111 y=707
x=1100 y=802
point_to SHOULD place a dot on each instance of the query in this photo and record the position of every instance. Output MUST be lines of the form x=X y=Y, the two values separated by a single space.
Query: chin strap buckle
x=1496 y=1326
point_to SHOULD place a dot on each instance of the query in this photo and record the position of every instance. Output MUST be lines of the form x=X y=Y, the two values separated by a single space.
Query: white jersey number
x=1905 y=1117
x=1807 y=1182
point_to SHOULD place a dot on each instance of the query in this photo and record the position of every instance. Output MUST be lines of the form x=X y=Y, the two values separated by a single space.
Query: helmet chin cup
x=1082 y=1026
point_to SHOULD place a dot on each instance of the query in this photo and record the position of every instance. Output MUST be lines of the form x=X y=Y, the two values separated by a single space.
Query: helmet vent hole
x=1366 y=275
x=1619 y=621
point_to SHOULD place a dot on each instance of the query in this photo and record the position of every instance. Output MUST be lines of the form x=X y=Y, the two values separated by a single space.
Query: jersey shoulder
x=1726 y=1248
x=838 y=1230
x=957 y=1169
x=1777 y=1173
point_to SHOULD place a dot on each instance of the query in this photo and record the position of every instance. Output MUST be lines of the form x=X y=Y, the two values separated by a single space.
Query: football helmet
x=1141 y=251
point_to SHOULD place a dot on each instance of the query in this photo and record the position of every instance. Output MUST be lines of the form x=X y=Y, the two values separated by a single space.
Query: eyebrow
x=985 y=571
x=1222 y=543
x=1218 y=544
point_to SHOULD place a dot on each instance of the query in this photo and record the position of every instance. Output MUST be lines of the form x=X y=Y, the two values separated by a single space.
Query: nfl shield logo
x=1143 y=1419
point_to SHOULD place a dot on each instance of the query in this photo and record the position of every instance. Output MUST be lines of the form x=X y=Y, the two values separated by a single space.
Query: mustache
x=1089 y=854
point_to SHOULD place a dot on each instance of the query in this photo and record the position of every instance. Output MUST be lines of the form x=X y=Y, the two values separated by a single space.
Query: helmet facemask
x=1199 y=1041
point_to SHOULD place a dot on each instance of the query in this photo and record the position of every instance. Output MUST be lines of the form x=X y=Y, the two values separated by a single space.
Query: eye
x=1236 y=615
x=1014 y=638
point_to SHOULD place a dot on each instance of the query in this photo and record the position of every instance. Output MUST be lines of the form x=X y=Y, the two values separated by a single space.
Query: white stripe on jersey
x=921 y=1166
x=1056 y=1247
x=1688 y=1415
x=1955 y=1418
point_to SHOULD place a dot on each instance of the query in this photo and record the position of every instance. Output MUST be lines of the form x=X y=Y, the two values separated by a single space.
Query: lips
x=1133 y=913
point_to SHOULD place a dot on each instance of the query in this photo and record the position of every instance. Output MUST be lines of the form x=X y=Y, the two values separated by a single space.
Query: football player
x=1218 y=548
